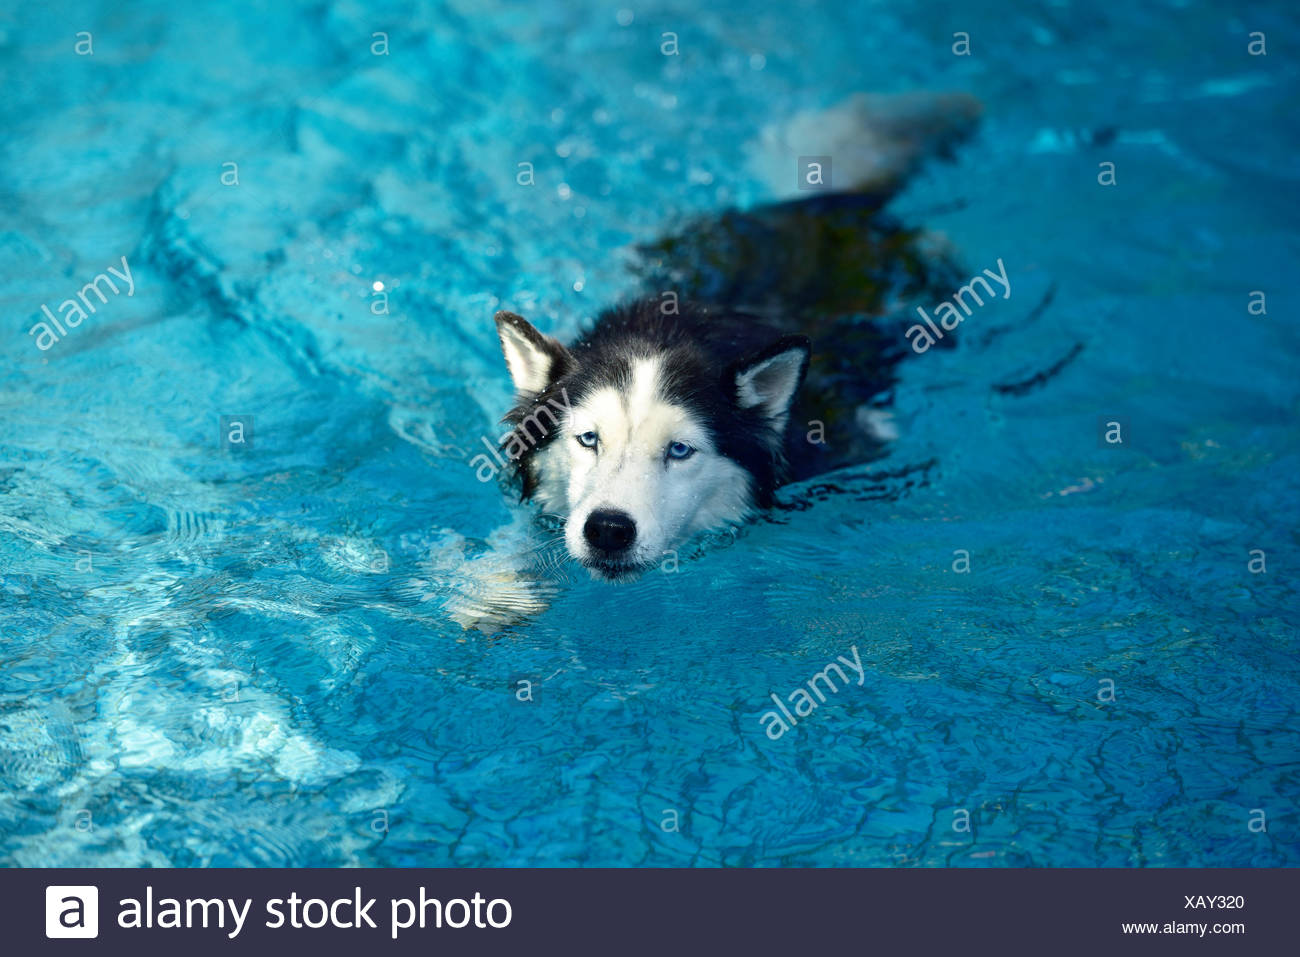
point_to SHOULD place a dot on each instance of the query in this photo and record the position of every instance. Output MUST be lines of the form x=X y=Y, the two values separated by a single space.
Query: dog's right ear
x=534 y=360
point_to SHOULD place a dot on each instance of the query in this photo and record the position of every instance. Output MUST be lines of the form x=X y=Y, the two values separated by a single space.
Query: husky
x=762 y=352
x=676 y=424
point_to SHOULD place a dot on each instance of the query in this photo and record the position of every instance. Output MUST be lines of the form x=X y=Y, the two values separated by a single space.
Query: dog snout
x=609 y=532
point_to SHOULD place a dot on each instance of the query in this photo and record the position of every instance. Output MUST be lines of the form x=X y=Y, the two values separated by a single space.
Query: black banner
x=649 y=911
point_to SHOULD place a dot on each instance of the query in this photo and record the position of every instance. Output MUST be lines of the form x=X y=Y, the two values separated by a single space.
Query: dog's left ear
x=769 y=379
x=534 y=360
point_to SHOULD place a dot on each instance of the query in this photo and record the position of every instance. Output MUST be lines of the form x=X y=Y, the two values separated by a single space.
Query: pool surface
x=1077 y=646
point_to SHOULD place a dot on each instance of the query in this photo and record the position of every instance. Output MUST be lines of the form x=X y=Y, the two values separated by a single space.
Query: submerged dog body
x=676 y=422
x=765 y=350
x=769 y=356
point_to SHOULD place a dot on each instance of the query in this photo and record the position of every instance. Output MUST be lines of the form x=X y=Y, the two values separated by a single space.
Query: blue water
x=217 y=657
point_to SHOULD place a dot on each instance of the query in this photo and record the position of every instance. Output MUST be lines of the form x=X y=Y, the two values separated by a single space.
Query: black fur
x=834 y=269
x=703 y=350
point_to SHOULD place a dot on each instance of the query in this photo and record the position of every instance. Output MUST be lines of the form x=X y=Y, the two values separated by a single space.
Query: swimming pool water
x=1074 y=652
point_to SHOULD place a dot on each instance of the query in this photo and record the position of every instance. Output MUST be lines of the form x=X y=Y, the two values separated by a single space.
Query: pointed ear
x=769 y=379
x=534 y=360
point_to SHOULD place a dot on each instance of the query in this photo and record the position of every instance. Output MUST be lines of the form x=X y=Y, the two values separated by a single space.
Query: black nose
x=608 y=531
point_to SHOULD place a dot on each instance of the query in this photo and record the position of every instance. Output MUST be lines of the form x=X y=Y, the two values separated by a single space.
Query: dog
x=676 y=424
x=765 y=354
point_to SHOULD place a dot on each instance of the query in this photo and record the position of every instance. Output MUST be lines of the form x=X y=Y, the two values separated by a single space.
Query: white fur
x=877 y=423
x=874 y=140
x=669 y=500
x=494 y=590
x=770 y=385
x=529 y=366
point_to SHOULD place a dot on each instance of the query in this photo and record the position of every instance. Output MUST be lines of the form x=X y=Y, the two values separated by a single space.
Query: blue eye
x=588 y=440
x=680 y=450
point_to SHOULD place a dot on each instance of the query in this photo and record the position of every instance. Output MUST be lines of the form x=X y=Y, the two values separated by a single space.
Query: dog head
x=639 y=442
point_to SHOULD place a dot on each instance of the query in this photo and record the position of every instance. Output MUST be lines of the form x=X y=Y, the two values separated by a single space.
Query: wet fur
x=725 y=298
x=701 y=349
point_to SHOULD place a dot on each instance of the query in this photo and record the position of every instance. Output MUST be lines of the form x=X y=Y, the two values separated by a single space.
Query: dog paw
x=490 y=593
